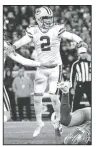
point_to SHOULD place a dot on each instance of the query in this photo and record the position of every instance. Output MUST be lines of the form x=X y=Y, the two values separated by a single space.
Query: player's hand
x=8 y=50
x=72 y=91
x=64 y=86
x=82 y=44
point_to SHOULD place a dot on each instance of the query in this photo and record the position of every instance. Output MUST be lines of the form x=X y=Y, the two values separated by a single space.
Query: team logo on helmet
x=38 y=11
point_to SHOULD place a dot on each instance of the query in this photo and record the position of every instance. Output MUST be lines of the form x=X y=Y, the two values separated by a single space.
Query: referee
x=80 y=77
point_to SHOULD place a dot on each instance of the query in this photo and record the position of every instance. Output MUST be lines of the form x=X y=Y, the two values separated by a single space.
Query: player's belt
x=49 y=66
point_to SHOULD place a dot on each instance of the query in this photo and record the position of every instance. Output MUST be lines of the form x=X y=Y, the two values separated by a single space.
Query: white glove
x=8 y=49
x=64 y=86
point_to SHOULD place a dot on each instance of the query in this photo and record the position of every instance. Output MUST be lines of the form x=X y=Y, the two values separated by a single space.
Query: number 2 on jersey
x=45 y=46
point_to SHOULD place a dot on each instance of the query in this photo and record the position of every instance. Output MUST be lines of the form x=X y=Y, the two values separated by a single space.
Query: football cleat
x=79 y=136
x=38 y=130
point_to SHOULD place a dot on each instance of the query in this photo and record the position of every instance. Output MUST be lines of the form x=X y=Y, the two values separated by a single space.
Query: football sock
x=38 y=108
x=65 y=110
x=56 y=105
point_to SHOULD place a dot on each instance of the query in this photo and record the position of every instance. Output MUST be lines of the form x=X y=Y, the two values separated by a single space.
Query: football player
x=46 y=37
x=82 y=134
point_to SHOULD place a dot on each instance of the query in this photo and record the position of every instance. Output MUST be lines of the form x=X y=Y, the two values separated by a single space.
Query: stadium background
x=77 y=19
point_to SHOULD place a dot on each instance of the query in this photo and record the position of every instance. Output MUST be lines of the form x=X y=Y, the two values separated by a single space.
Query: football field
x=19 y=133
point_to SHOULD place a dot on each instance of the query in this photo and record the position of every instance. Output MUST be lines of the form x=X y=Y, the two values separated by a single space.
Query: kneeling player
x=82 y=134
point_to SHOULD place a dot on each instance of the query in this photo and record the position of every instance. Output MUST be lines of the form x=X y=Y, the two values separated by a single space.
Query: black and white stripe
x=61 y=31
x=6 y=100
x=81 y=71
x=29 y=33
x=49 y=11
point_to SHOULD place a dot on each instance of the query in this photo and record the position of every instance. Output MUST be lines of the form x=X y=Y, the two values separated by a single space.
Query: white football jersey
x=47 y=44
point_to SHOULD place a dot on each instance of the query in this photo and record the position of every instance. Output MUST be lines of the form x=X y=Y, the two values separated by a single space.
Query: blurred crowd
x=77 y=19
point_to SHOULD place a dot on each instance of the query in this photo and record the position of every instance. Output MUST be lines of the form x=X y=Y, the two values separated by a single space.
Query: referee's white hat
x=82 y=50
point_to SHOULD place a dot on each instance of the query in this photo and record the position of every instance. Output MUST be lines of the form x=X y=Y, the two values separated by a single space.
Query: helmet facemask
x=47 y=22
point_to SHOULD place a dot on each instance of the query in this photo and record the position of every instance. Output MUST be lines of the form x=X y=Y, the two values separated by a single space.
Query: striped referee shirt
x=80 y=71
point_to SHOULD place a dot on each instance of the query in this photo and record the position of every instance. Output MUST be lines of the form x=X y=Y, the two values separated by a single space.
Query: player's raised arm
x=71 y=36
x=74 y=37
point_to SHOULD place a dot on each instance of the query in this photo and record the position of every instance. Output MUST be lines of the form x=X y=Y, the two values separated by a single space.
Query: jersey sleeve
x=61 y=29
x=30 y=31
x=24 y=61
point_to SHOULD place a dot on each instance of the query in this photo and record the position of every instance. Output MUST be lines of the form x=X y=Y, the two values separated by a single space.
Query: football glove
x=8 y=49
x=64 y=86
x=82 y=44
x=72 y=91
